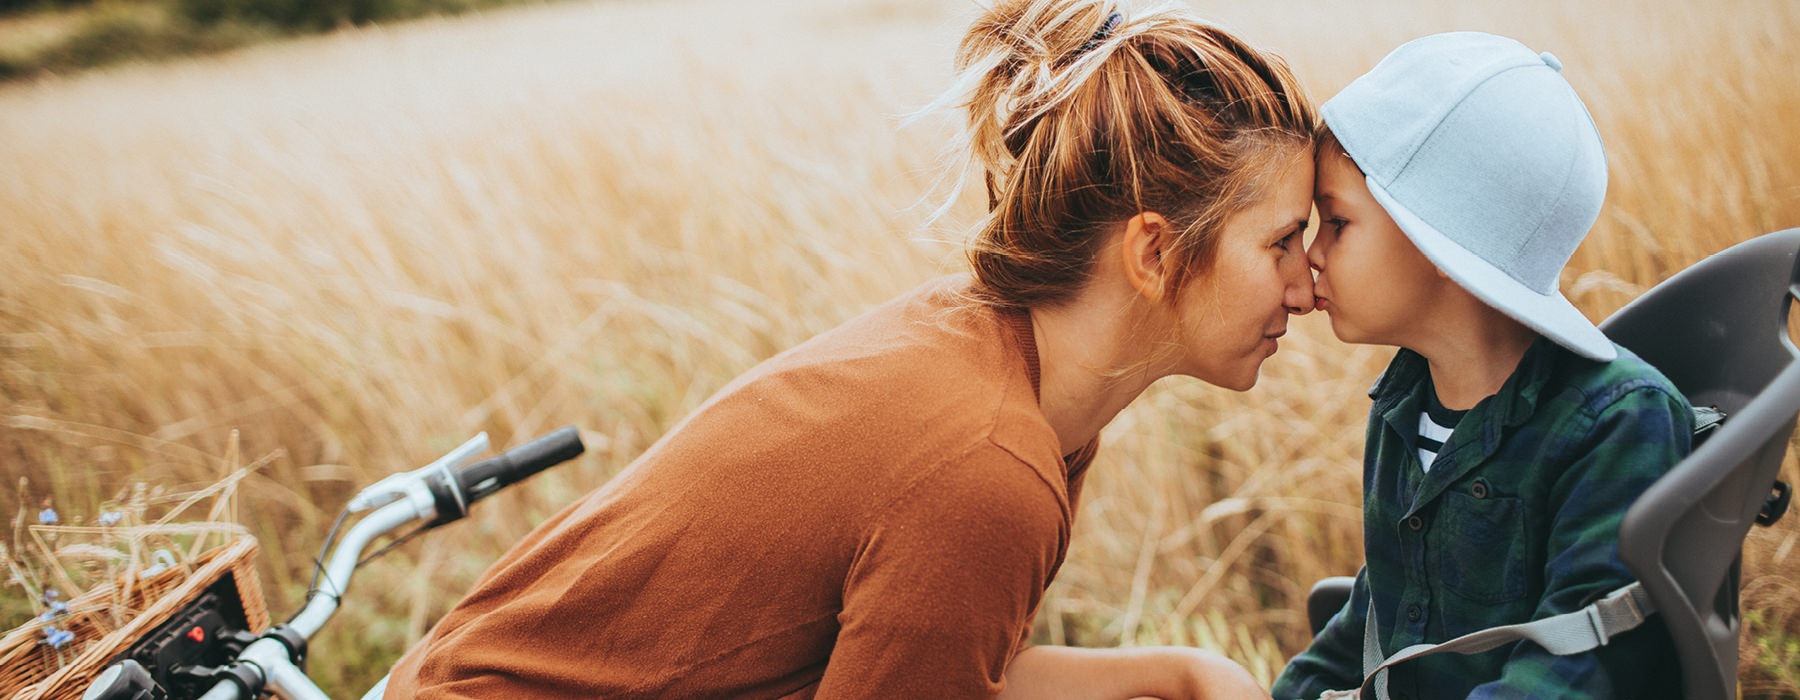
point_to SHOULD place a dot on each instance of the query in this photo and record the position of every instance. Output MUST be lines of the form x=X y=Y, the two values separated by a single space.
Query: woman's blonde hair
x=1084 y=113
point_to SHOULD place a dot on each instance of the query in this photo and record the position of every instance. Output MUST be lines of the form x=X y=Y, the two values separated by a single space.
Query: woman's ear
x=1143 y=247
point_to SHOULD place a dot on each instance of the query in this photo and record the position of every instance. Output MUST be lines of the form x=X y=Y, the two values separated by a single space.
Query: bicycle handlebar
x=486 y=477
x=438 y=493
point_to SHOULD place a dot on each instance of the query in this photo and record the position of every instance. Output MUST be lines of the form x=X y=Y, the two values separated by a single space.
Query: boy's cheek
x=1342 y=326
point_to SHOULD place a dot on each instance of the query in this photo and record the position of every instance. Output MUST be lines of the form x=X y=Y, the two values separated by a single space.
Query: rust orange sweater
x=873 y=513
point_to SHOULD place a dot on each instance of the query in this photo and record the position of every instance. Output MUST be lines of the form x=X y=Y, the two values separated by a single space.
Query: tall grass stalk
x=363 y=248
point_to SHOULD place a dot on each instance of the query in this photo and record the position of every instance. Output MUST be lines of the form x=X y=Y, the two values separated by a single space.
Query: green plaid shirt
x=1517 y=520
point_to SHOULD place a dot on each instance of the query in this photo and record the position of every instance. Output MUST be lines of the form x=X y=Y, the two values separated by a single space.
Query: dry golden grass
x=363 y=248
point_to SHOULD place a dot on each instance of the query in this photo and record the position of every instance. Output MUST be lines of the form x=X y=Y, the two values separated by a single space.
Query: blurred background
x=358 y=232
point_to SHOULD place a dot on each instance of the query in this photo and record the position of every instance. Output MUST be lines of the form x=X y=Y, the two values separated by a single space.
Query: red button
x=197 y=634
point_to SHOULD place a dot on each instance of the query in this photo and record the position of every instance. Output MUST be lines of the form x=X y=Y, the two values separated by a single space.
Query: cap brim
x=1552 y=314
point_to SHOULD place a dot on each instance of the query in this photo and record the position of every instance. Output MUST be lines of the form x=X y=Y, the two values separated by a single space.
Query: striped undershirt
x=1435 y=425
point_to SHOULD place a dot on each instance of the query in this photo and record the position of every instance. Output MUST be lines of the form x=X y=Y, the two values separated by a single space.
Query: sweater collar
x=1019 y=320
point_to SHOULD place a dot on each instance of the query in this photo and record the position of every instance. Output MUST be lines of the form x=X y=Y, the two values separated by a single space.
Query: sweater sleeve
x=946 y=579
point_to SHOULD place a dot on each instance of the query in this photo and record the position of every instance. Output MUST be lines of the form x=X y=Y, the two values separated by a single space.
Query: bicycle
x=199 y=653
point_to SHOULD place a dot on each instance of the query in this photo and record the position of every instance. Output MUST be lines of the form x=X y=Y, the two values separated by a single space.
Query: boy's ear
x=1143 y=247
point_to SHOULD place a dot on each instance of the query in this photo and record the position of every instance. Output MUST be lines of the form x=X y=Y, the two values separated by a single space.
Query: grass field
x=361 y=249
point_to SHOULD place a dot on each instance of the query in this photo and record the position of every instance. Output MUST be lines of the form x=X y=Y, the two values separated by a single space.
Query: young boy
x=1508 y=436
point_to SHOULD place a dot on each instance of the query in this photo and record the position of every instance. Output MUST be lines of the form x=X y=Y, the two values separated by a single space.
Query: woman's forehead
x=1286 y=202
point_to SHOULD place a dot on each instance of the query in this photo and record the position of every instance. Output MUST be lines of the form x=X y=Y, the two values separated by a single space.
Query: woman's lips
x=1274 y=340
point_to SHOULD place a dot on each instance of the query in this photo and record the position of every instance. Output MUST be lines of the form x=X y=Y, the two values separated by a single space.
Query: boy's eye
x=1286 y=244
x=1337 y=222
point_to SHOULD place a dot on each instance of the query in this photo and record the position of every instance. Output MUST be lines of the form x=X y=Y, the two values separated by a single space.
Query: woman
x=878 y=511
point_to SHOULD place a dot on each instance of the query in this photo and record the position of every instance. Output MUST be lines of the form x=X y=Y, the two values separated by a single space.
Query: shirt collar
x=1398 y=400
x=1515 y=401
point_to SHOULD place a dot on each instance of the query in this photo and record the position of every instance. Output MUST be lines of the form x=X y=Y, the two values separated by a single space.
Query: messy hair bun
x=1083 y=113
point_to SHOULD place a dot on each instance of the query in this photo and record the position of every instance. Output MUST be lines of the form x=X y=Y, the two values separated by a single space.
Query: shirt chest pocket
x=1483 y=548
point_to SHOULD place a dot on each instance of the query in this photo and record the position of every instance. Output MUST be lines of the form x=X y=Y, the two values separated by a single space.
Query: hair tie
x=1105 y=31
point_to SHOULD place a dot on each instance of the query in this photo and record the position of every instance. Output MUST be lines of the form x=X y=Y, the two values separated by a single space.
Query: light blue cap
x=1487 y=159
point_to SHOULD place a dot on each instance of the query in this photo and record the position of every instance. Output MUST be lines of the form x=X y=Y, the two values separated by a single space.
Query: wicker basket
x=30 y=669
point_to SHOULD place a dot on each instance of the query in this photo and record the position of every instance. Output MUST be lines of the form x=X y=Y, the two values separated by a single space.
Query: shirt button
x=1412 y=613
x=1479 y=490
x=1416 y=523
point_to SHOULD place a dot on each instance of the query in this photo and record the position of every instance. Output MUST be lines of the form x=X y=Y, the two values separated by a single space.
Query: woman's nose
x=1298 y=294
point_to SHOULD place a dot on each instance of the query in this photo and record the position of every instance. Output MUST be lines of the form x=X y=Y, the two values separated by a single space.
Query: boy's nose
x=1315 y=254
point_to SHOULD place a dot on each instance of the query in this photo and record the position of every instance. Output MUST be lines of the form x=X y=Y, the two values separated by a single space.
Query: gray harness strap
x=1569 y=633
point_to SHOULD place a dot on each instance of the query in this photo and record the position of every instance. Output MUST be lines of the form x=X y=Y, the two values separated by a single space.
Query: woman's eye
x=1286 y=244
x=1337 y=223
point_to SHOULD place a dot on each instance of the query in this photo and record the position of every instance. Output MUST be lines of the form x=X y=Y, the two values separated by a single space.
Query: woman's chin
x=1236 y=381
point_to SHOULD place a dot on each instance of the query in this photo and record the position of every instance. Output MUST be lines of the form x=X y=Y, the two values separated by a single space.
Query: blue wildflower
x=56 y=637
x=47 y=516
x=57 y=607
x=111 y=517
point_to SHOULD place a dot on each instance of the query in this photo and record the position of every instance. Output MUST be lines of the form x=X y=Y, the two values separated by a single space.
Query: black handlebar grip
x=481 y=479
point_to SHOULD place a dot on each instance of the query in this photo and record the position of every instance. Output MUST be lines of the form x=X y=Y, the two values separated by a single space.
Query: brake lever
x=395 y=486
